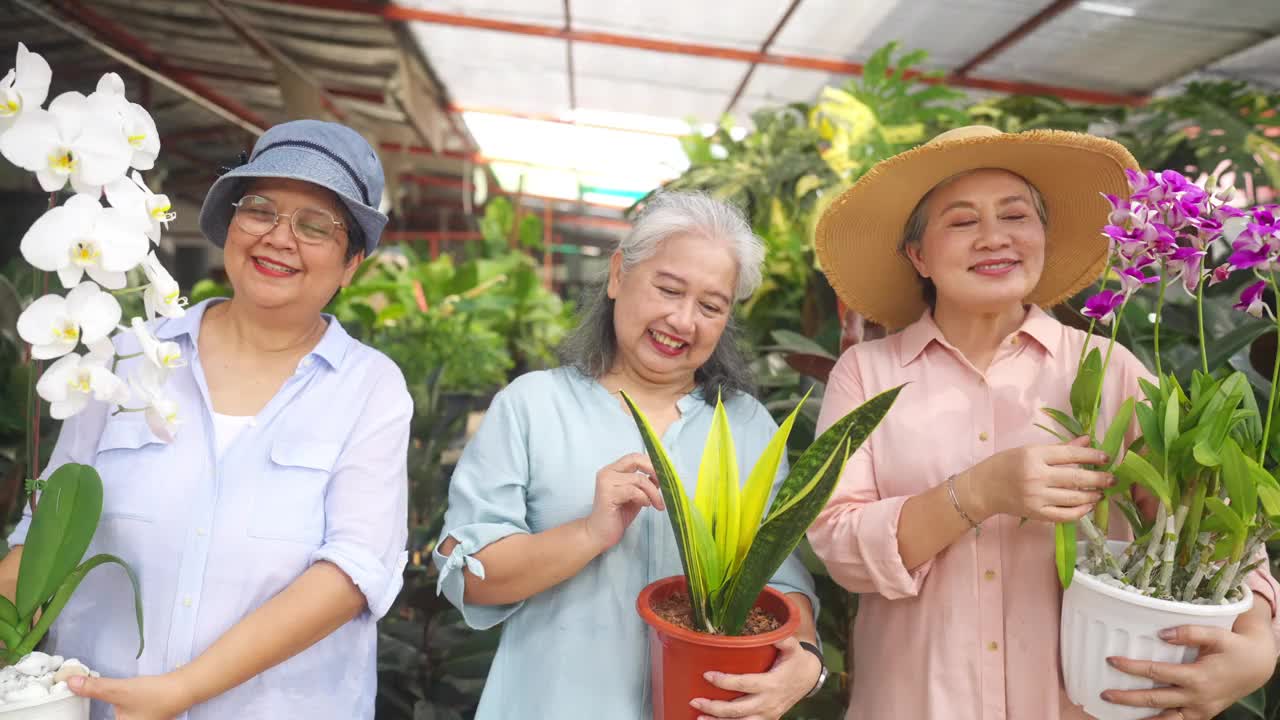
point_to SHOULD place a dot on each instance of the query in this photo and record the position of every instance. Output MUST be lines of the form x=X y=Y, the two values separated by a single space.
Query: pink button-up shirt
x=972 y=633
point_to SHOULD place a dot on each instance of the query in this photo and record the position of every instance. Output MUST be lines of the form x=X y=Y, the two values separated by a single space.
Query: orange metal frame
x=399 y=13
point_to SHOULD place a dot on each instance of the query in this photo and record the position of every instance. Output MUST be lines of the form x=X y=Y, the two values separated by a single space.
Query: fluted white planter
x=53 y=707
x=1101 y=621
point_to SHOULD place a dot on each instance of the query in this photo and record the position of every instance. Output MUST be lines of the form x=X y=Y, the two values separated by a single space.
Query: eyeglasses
x=257 y=215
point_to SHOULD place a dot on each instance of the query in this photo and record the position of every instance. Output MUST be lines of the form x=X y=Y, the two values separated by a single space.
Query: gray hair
x=669 y=214
x=592 y=346
x=918 y=221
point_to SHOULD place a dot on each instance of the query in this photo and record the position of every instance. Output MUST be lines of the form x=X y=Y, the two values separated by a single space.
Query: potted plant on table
x=720 y=615
x=1205 y=456
x=89 y=142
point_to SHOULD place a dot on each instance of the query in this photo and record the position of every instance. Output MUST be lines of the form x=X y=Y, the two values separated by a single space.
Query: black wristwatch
x=822 y=676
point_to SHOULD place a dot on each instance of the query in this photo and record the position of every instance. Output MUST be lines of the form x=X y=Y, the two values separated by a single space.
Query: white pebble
x=36 y=663
x=69 y=669
x=28 y=692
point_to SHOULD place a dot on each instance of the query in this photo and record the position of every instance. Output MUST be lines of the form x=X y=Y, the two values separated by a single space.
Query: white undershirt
x=226 y=428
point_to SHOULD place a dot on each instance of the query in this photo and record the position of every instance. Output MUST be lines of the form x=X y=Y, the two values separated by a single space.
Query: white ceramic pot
x=54 y=707
x=1101 y=621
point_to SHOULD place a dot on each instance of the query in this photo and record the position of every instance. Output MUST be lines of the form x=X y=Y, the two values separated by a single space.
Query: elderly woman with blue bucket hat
x=269 y=535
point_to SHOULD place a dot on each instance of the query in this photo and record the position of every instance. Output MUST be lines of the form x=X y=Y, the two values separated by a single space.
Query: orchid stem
x=1204 y=355
x=130 y=291
x=1159 y=307
x=1275 y=375
x=1106 y=363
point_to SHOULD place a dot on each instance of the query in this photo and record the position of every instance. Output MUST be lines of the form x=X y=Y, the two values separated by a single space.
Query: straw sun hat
x=859 y=234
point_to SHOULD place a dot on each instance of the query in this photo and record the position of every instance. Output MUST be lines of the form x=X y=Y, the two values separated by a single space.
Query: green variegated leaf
x=716 y=496
x=799 y=499
x=755 y=494
x=680 y=513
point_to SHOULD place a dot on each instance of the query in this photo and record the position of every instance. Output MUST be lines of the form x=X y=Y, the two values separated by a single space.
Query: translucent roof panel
x=1105 y=50
x=639 y=81
x=743 y=24
x=485 y=68
x=567 y=160
x=539 y=11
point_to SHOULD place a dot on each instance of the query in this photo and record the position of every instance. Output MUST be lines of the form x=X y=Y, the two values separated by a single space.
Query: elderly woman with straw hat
x=960 y=243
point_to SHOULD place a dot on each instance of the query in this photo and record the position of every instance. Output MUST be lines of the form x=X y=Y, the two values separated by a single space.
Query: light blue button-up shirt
x=319 y=474
x=576 y=651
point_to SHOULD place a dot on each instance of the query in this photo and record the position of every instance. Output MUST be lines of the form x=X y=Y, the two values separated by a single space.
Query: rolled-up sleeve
x=856 y=535
x=487 y=502
x=366 y=503
x=77 y=443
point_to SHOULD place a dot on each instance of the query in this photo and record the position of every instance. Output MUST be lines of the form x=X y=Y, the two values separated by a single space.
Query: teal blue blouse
x=576 y=650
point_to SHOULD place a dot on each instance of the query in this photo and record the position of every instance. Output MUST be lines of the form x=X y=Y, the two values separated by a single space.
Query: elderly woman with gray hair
x=546 y=528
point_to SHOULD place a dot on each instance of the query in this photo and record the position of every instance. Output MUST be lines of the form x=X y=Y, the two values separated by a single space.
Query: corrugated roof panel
x=952 y=32
x=649 y=98
x=484 y=68
x=772 y=85
x=1080 y=48
x=742 y=24
x=680 y=72
x=538 y=11
x=1260 y=64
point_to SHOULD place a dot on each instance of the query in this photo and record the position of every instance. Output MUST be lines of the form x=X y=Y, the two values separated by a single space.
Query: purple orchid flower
x=1219 y=274
x=1246 y=258
x=1251 y=300
x=1133 y=278
x=1186 y=262
x=1102 y=307
x=1120 y=211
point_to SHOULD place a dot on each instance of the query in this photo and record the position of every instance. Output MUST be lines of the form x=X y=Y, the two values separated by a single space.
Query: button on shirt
x=320 y=474
x=576 y=651
x=980 y=620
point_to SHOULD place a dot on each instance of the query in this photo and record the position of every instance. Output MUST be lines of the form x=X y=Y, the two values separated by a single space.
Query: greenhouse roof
x=585 y=99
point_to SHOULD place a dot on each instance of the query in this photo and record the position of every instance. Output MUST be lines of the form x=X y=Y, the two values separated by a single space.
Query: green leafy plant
x=51 y=569
x=1202 y=452
x=729 y=546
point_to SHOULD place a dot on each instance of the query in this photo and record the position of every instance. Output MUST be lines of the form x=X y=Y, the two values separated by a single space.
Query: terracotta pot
x=678 y=657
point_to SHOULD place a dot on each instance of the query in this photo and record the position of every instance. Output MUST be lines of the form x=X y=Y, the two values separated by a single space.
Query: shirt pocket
x=130 y=462
x=288 y=500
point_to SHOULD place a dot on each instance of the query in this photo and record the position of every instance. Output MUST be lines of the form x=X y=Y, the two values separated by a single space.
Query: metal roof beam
x=764 y=50
x=294 y=80
x=391 y=11
x=1052 y=10
x=123 y=47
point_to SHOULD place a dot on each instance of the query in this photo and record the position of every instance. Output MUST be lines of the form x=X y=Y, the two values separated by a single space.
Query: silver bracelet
x=951 y=490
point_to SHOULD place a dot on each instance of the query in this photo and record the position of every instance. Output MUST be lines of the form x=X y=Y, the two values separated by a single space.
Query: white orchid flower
x=54 y=324
x=75 y=139
x=24 y=87
x=162 y=411
x=162 y=355
x=162 y=296
x=70 y=382
x=132 y=195
x=82 y=236
x=136 y=124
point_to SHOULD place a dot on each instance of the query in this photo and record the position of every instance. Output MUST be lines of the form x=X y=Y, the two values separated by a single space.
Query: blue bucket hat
x=327 y=154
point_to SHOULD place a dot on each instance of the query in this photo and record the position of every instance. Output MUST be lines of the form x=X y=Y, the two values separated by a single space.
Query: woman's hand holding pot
x=1039 y=482
x=766 y=696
